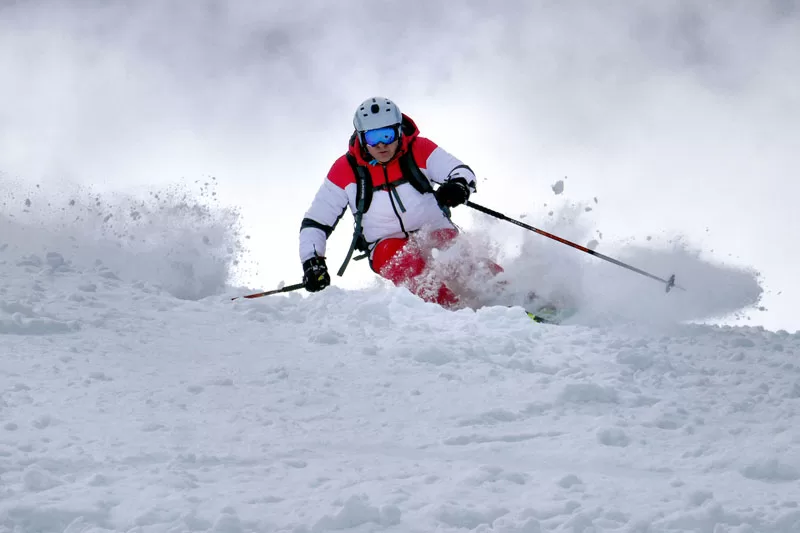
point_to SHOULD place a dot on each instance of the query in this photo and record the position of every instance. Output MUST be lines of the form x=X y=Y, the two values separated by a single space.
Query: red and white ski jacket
x=396 y=210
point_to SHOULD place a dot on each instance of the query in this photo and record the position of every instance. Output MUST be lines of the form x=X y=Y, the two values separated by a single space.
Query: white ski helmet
x=374 y=113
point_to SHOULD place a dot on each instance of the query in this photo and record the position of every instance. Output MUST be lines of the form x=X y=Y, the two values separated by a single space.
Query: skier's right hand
x=315 y=274
x=452 y=192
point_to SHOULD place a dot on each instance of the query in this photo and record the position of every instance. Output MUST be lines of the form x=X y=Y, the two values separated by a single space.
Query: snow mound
x=371 y=410
x=128 y=405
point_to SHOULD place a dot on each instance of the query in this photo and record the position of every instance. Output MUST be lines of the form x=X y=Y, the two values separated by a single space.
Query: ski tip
x=540 y=319
x=537 y=318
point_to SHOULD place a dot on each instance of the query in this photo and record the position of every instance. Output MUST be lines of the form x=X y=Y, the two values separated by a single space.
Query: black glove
x=452 y=193
x=315 y=274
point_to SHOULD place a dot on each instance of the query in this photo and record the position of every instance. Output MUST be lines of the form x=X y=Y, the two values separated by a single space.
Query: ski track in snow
x=125 y=408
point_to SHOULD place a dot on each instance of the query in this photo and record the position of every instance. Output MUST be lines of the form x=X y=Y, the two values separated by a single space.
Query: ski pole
x=670 y=282
x=287 y=288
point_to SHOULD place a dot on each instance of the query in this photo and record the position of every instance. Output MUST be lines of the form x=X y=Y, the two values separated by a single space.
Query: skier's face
x=383 y=153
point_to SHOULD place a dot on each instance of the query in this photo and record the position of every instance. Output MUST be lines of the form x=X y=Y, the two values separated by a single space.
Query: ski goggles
x=386 y=135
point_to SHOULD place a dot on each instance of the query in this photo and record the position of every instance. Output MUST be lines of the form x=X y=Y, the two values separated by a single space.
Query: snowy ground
x=126 y=408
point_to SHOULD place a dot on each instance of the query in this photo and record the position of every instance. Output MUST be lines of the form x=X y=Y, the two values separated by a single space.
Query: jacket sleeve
x=440 y=165
x=326 y=209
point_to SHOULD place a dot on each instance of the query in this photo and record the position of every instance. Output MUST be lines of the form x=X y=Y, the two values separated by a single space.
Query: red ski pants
x=403 y=260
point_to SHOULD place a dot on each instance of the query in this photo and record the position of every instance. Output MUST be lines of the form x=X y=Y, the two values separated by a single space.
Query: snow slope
x=127 y=406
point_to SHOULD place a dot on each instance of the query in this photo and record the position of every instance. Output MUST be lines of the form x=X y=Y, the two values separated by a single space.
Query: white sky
x=678 y=118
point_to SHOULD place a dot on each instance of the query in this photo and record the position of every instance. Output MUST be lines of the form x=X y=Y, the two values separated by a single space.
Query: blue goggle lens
x=381 y=135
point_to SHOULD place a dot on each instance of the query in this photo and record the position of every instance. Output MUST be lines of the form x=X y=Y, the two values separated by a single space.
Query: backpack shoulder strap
x=363 y=184
x=410 y=169
x=363 y=199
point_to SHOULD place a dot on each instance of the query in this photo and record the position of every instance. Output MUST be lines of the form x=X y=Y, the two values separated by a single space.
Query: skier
x=387 y=179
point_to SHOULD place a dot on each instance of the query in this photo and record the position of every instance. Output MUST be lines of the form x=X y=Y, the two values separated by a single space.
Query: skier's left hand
x=452 y=193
